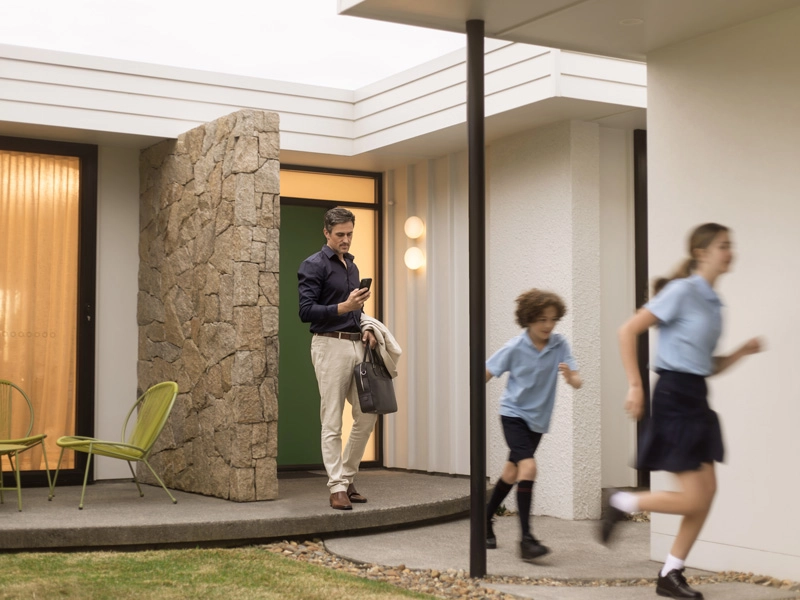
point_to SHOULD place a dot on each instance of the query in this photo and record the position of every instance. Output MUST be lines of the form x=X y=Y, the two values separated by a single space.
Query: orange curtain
x=38 y=289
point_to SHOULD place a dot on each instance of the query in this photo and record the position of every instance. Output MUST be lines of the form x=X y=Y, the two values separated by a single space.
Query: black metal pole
x=477 y=299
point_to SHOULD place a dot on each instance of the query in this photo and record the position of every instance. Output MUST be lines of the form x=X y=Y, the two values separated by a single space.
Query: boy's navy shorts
x=521 y=441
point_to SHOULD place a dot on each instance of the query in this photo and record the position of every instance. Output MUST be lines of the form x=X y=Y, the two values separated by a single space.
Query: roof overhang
x=619 y=28
x=412 y=116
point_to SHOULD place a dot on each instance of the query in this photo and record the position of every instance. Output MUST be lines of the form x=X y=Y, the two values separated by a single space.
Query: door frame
x=378 y=290
x=87 y=286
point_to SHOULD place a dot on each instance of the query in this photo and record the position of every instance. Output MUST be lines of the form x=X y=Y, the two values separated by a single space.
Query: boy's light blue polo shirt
x=690 y=323
x=531 y=389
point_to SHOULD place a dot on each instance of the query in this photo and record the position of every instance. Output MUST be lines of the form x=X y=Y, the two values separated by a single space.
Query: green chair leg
x=19 y=486
x=50 y=482
x=135 y=480
x=171 y=497
x=85 y=478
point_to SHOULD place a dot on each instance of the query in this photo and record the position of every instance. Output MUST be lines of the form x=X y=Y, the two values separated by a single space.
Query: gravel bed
x=457 y=583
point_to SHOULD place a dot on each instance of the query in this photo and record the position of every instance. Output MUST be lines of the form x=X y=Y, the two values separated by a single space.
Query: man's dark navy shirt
x=323 y=283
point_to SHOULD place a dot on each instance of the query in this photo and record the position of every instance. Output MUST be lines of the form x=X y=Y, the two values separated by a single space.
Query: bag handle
x=368 y=352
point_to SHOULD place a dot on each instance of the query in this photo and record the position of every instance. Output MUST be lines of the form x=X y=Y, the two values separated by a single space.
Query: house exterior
x=722 y=78
x=560 y=215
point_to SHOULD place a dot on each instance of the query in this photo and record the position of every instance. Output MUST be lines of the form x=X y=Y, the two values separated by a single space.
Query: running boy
x=533 y=361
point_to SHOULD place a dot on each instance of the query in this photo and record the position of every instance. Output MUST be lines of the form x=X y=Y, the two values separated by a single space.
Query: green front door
x=298 y=395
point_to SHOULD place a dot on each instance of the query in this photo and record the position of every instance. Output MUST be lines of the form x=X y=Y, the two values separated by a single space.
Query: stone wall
x=208 y=303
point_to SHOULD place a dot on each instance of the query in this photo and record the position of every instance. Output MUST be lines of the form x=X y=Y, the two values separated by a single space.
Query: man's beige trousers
x=334 y=360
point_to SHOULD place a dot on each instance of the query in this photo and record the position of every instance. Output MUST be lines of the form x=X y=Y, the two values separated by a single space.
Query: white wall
x=543 y=231
x=559 y=199
x=117 y=290
x=723 y=125
x=617 y=279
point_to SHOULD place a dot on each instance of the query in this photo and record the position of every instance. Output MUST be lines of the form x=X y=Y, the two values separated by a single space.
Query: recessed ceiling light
x=631 y=22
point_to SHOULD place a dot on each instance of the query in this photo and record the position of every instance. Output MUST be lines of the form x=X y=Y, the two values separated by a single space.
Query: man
x=330 y=299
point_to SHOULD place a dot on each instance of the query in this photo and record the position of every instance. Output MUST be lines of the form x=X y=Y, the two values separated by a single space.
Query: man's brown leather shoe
x=339 y=501
x=354 y=496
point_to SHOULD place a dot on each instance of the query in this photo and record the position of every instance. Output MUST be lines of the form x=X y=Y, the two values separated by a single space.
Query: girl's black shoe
x=530 y=548
x=673 y=585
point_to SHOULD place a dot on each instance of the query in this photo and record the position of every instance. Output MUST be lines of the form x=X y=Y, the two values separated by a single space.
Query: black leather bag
x=375 y=386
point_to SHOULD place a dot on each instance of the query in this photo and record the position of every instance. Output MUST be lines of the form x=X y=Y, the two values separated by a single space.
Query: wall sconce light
x=414 y=258
x=414 y=227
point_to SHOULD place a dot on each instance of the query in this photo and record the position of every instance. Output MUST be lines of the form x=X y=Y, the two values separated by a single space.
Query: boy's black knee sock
x=499 y=494
x=524 y=495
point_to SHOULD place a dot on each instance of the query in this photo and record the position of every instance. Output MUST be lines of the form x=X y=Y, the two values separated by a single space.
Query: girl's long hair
x=701 y=238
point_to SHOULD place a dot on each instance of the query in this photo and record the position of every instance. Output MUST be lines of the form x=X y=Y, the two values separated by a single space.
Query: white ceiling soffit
x=619 y=28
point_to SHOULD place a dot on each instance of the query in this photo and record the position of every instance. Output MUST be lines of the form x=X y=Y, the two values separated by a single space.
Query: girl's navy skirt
x=683 y=432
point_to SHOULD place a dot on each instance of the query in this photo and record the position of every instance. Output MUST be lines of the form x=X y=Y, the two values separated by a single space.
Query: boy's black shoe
x=491 y=540
x=673 y=585
x=611 y=516
x=530 y=548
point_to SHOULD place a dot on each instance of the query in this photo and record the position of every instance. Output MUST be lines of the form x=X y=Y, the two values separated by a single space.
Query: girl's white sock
x=670 y=564
x=624 y=501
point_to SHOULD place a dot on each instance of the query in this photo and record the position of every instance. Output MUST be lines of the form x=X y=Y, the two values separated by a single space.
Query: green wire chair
x=152 y=411
x=11 y=403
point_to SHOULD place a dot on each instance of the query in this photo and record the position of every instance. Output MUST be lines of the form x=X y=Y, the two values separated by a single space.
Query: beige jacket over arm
x=387 y=346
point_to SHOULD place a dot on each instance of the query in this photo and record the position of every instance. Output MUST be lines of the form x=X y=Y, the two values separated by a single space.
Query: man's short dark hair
x=337 y=216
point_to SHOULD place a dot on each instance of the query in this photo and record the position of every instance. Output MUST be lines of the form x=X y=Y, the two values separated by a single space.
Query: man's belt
x=342 y=335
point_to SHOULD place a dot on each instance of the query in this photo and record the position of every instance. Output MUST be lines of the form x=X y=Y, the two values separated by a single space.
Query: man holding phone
x=332 y=299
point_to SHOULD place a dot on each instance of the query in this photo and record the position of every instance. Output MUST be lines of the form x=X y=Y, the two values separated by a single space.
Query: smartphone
x=365 y=283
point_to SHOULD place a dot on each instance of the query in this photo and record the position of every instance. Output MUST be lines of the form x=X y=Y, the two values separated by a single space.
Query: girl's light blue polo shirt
x=690 y=323
x=531 y=389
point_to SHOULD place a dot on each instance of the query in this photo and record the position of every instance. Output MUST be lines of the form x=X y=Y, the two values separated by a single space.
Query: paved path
x=576 y=556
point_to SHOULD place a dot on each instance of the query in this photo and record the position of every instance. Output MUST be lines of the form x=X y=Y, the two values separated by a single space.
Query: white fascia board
x=511 y=66
x=165 y=73
x=40 y=87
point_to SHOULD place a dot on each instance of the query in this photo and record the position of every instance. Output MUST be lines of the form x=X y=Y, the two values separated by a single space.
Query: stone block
x=272 y=357
x=178 y=168
x=269 y=286
x=243 y=244
x=267 y=178
x=268 y=390
x=204 y=244
x=266 y=218
x=242 y=485
x=269 y=144
x=245 y=284
x=246 y=405
x=224 y=247
x=149 y=309
x=248 y=323
x=272 y=263
x=224 y=217
x=155 y=331
x=216 y=341
x=226 y=367
x=245 y=155
x=244 y=210
x=194 y=364
x=272 y=439
x=266 y=479
x=269 y=320
x=259 y=441
x=172 y=325
x=150 y=280
x=193 y=142
x=184 y=307
x=210 y=308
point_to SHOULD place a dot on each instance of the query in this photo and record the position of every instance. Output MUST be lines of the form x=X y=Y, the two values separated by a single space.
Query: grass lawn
x=247 y=573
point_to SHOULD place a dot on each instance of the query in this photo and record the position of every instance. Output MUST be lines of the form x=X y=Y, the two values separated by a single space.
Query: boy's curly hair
x=531 y=304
